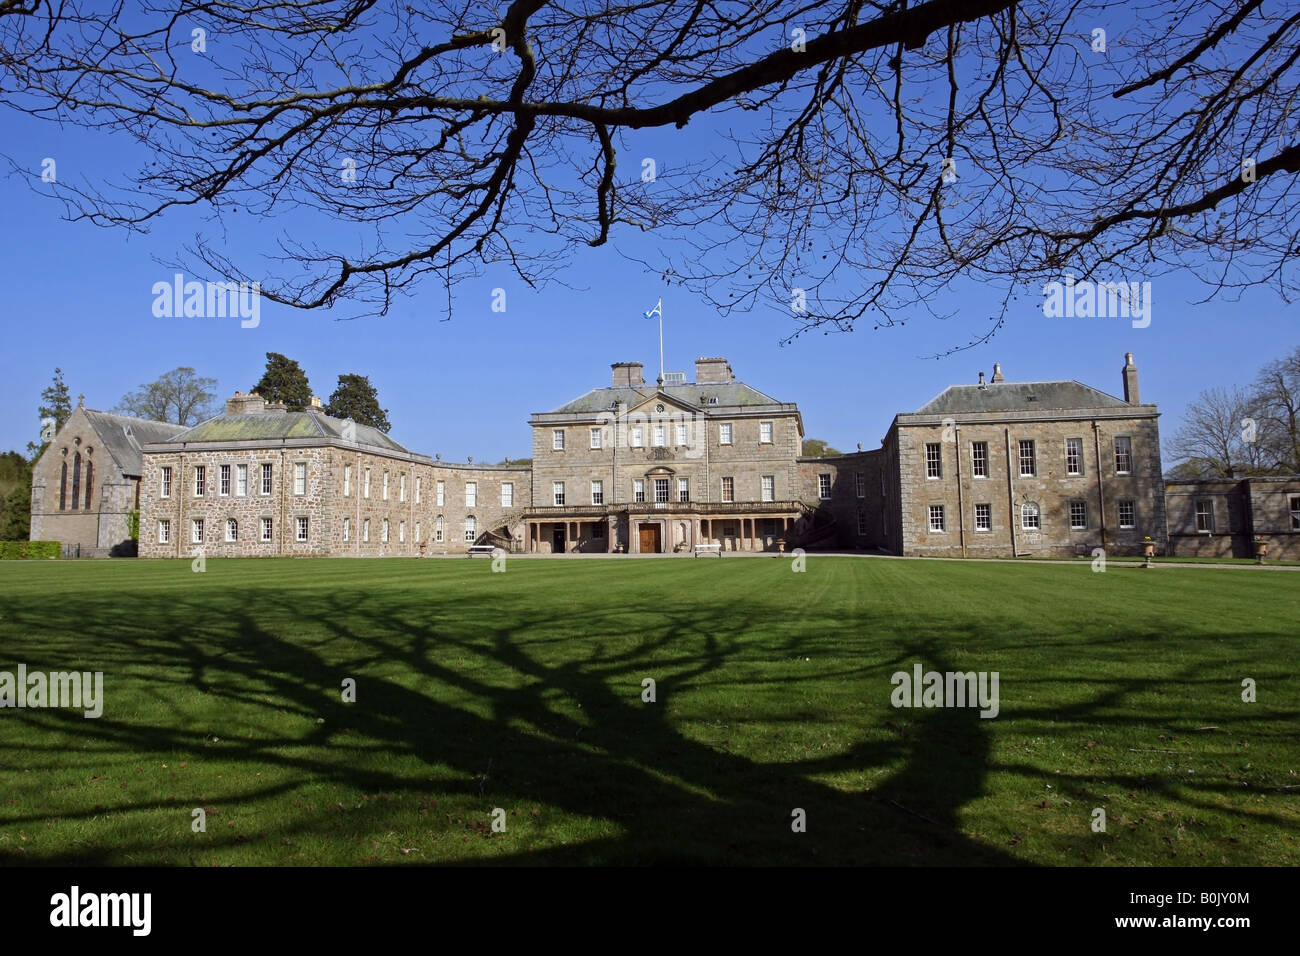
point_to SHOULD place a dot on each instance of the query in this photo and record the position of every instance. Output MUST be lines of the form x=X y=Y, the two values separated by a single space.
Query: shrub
x=24 y=550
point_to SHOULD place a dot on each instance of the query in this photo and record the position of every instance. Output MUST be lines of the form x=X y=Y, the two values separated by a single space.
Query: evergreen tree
x=357 y=399
x=284 y=381
x=56 y=406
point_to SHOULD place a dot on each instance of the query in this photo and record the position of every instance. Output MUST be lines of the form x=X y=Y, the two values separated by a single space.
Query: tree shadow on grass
x=514 y=708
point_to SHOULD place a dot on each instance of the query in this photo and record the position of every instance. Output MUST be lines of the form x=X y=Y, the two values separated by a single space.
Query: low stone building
x=261 y=481
x=86 y=484
x=1224 y=517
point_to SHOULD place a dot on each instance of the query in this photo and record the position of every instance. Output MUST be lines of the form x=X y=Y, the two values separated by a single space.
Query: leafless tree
x=1277 y=396
x=1218 y=437
x=179 y=396
x=869 y=154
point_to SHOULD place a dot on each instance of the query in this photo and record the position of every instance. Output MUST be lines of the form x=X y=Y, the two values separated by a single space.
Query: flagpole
x=661 y=341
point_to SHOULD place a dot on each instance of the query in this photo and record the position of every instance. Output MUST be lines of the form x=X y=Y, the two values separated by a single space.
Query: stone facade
x=87 y=482
x=996 y=469
x=1027 y=468
x=1223 y=518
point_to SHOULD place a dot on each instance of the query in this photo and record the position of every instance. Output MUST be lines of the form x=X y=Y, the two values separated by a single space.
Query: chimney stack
x=627 y=374
x=315 y=402
x=241 y=404
x=997 y=372
x=713 y=371
x=1130 y=380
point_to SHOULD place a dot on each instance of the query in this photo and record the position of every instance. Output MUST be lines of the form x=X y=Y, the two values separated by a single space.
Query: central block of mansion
x=996 y=468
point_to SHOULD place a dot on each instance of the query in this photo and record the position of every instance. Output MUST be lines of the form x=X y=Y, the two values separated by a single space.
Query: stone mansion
x=996 y=468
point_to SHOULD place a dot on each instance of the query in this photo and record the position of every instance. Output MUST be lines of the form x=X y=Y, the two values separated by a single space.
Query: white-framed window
x=365 y=483
x=200 y=481
x=765 y=433
x=165 y=483
x=1123 y=455
x=471 y=529
x=936 y=518
x=418 y=539
x=638 y=489
x=683 y=489
x=1294 y=504
x=507 y=494
x=724 y=433
x=984 y=517
x=768 y=488
x=661 y=491
x=439 y=529
x=365 y=529
x=401 y=532
x=638 y=436
x=401 y=487
x=241 y=480
x=597 y=438
x=303 y=527
x=557 y=492
x=1030 y=518
x=728 y=489
x=267 y=528
x=299 y=477
x=933 y=460
x=1028 y=467
x=223 y=481
x=823 y=486
x=471 y=494
x=1074 y=456
x=862 y=521
x=682 y=434
x=384 y=488
x=383 y=531
x=232 y=529
x=347 y=529
x=196 y=530
x=661 y=436
x=1078 y=515
x=979 y=459
x=164 y=531
x=1204 y=515
x=268 y=476
x=418 y=483
x=1127 y=513
x=440 y=493
x=860 y=486
x=557 y=439
x=597 y=492
x=347 y=480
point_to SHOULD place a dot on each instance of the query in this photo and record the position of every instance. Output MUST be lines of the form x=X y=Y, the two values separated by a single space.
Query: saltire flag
x=658 y=310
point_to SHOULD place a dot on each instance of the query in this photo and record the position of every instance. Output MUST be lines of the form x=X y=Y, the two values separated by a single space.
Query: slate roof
x=732 y=394
x=123 y=435
x=275 y=426
x=1015 y=397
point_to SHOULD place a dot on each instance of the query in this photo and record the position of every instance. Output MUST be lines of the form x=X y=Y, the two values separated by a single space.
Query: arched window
x=63 y=488
x=1029 y=516
x=232 y=529
x=90 y=478
x=76 y=480
x=471 y=529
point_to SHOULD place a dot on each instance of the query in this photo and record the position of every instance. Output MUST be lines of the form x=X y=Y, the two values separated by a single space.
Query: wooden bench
x=708 y=549
x=484 y=549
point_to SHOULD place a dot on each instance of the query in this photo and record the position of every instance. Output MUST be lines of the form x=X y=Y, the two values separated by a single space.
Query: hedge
x=22 y=550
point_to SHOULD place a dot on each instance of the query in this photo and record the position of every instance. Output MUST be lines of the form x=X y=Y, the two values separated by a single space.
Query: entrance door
x=557 y=539
x=649 y=539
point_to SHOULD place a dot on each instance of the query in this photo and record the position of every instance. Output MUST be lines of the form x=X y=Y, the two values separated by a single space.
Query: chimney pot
x=997 y=372
x=981 y=379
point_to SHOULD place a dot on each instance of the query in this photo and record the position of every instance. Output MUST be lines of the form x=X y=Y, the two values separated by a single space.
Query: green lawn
x=522 y=690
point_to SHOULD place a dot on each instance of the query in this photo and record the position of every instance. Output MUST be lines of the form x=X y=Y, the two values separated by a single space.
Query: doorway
x=649 y=539
x=557 y=539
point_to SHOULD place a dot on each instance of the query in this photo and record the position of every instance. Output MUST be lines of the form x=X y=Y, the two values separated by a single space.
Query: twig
x=1135 y=751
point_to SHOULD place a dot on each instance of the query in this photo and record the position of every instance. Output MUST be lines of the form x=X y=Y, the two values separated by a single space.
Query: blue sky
x=80 y=299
